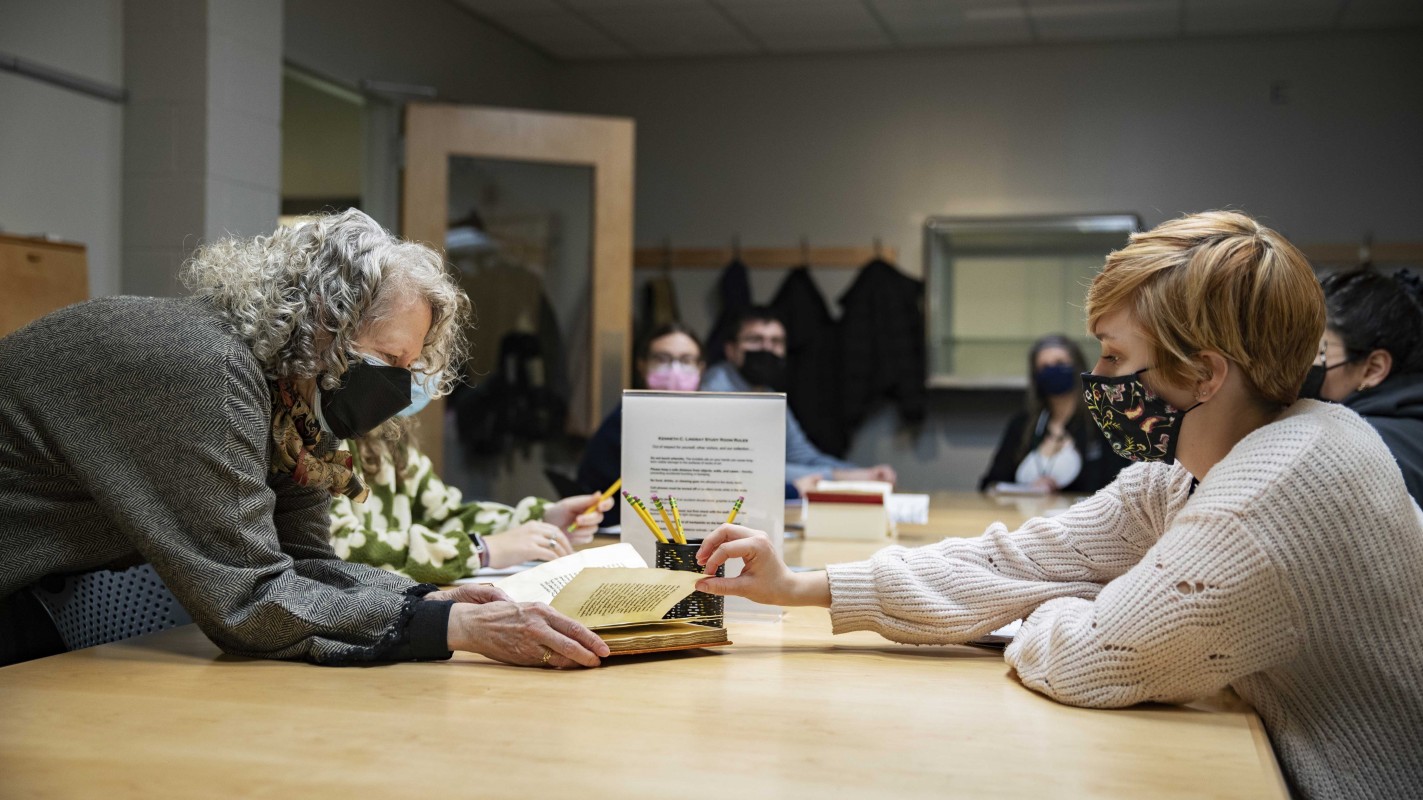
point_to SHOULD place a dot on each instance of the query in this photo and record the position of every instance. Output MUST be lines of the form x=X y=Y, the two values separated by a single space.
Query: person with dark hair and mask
x=1052 y=445
x=1371 y=360
x=756 y=362
x=668 y=358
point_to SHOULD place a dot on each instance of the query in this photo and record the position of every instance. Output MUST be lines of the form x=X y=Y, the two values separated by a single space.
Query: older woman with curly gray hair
x=201 y=435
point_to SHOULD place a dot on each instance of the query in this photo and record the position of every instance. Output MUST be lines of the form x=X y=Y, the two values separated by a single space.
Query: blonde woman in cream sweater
x=1266 y=544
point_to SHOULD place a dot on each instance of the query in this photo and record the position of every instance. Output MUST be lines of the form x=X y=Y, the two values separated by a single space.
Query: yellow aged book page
x=601 y=597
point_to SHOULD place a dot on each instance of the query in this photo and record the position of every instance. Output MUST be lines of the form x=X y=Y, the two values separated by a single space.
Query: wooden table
x=788 y=711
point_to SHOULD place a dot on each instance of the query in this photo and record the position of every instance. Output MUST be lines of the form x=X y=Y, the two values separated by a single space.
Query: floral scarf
x=306 y=452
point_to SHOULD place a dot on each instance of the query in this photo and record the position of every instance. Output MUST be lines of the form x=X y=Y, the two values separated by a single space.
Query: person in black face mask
x=756 y=362
x=1053 y=445
x=1371 y=359
x=204 y=435
x=1264 y=543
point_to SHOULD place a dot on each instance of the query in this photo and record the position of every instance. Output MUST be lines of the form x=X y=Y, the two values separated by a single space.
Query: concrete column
x=202 y=130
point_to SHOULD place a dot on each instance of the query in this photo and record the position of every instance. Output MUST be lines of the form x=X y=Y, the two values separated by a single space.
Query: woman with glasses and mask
x=669 y=359
x=202 y=435
x=1371 y=360
x=1052 y=445
x=1265 y=543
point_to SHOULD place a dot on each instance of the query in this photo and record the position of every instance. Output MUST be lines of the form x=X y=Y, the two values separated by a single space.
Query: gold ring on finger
x=547 y=655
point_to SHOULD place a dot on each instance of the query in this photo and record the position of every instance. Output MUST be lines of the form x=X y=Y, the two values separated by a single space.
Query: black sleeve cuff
x=426 y=633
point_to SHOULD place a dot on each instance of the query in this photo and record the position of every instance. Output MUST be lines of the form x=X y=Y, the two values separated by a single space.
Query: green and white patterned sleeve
x=409 y=524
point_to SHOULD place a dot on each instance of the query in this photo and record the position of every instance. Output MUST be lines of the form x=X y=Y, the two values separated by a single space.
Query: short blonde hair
x=1218 y=281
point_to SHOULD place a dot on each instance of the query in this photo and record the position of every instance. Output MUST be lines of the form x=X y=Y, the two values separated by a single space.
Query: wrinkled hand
x=524 y=634
x=764 y=577
x=532 y=541
x=569 y=512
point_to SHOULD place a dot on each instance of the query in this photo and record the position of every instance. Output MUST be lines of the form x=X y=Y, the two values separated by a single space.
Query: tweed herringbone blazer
x=142 y=426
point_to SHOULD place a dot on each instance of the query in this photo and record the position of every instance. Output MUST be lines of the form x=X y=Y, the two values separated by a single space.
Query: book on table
x=613 y=592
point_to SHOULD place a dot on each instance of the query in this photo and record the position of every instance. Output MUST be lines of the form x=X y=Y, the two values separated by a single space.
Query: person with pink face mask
x=669 y=359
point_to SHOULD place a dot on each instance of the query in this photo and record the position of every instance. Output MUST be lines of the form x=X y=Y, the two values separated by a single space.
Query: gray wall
x=844 y=148
x=61 y=153
x=202 y=150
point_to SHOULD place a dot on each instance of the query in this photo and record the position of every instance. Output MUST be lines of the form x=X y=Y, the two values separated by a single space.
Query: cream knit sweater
x=1293 y=574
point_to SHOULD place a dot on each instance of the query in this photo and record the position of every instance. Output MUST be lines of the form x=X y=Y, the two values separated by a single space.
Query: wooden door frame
x=435 y=131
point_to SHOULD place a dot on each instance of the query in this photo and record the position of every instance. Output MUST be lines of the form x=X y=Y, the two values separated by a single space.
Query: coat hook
x=878 y=249
x=736 y=246
x=666 y=253
x=805 y=250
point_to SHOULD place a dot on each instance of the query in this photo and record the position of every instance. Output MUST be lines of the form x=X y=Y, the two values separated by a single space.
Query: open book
x=615 y=594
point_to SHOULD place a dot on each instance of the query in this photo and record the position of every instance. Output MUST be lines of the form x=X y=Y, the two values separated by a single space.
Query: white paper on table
x=487 y=575
x=706 y=449
x=540 y=584
x=1010 y=630
x=872 y=487
x=910 y=509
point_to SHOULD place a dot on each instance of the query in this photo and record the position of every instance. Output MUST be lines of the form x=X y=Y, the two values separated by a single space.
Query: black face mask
x=369 y=394
x=1314 y=380
x=764 y=368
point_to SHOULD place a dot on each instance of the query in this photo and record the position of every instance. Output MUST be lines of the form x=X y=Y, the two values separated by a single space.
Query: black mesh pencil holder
x=671 y=555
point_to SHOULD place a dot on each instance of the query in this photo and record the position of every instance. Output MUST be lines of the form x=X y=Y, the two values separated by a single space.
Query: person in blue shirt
x=756 y=362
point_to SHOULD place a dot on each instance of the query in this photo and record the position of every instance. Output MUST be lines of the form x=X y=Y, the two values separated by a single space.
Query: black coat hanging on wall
x=812 y=361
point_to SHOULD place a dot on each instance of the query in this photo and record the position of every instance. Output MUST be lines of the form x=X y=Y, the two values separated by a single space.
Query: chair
x=106 y=606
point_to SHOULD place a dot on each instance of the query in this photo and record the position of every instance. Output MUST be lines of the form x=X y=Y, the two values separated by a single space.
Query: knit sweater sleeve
x=250 y=565
x=1203 y=608
x=960 y=589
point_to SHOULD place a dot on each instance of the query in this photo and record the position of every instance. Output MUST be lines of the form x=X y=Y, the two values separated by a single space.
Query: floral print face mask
x=1139 y=425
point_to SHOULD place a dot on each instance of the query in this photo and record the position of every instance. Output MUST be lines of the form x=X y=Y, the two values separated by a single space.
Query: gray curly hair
x=300 y=297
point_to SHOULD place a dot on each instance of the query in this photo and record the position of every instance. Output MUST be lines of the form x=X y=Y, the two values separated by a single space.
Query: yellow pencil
x=646 y=518
x=646 y=512
x=730 y=518
x=677 y=516
x=604 y=496
x=672 y=529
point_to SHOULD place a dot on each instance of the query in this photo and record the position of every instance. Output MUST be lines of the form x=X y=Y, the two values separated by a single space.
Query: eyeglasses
x=762 y=342
x=665 y=360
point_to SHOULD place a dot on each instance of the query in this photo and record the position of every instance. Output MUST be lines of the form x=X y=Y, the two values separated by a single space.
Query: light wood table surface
x=789 y=711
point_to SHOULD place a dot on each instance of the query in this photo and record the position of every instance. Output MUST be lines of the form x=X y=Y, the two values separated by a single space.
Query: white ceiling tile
x=814 y=16
x=676 y=31
x=562 y=35
x=944 y=22
x=1381 y=13
x=631 y=5
x=827 y=43
x=497 y=8
x=1080 y=20
x=1258 y=16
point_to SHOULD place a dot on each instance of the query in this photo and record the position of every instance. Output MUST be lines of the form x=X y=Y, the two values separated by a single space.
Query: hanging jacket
x=1395 y=409
x=812 y=361
x=513 y=406
x=882 y=341
x=659 y=303
x=734 y=291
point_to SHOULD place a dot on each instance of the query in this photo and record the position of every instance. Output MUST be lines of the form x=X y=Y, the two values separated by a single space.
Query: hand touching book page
x=618 y=597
